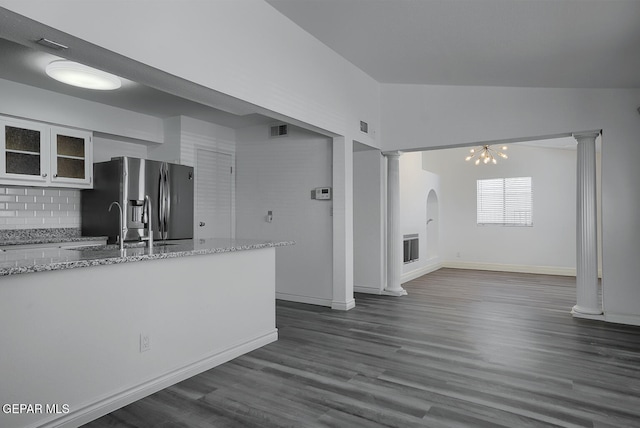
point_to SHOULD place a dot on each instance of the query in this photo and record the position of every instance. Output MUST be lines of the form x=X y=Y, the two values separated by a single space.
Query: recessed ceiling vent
x=51 y=44
x=280 y=130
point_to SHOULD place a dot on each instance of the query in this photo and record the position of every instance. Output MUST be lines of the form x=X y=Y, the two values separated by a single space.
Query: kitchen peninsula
x=101 y=327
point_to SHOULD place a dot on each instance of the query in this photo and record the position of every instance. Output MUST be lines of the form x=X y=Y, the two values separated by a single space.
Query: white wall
x=424 y=116
x=45 y=106
x=368 y=221
x=415 y=185
x=184 y=135
x=83 y=327
x=197 y=134
x=105 y=148
x=278 y=174
x=245 y=49
x=547 y=247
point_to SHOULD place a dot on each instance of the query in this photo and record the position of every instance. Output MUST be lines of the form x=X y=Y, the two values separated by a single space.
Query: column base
x=343 y=306
x=397 y=292
x=589 y=313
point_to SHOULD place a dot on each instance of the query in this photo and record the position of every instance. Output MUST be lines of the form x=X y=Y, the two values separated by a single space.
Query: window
x=505 y=202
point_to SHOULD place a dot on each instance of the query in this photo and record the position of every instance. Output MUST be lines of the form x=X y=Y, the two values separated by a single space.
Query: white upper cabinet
x=36 y=154
x=24 y=151
x=71 y=157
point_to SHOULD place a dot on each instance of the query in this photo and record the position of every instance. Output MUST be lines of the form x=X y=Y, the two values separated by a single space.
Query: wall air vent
x=279 y=130
x=364 y=127
x=410 y=248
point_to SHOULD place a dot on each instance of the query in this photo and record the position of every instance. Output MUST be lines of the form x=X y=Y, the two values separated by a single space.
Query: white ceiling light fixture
x=486 y=154
x=83 y=76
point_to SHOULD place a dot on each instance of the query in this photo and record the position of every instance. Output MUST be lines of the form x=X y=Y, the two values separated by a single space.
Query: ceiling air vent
x=51 y=44
x=279 y=130
x=364 y=127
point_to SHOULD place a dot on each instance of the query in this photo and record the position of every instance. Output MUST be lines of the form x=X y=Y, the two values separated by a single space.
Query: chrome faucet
x=122 y=230
x=147 y=214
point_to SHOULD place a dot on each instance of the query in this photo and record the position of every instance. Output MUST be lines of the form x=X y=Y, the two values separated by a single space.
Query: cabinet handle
x=55 y=175
x=201 y=223
x=44 y=175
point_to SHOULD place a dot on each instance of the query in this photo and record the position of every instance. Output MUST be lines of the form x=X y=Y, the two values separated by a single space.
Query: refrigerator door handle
x=167 y=201
x=161 y=203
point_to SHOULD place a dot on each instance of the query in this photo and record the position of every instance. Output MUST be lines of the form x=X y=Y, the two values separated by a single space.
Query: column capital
x=395 y=153
x=585 y=135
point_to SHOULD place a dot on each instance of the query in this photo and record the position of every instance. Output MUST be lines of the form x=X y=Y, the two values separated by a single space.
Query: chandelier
x=485 y=154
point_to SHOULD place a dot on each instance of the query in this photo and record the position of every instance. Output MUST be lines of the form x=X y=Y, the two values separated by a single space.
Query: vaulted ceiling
x=529 y=43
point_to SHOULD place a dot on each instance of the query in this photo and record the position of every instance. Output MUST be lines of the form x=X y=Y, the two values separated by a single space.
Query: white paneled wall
x=105 y=148
x=34 y=208
x=196 y=134
x=277 y=175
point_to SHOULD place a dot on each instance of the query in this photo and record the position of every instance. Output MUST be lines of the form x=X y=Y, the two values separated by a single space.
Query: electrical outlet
x=145 y=342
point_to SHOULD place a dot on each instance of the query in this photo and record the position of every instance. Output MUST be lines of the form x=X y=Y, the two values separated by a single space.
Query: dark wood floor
x=464 y=348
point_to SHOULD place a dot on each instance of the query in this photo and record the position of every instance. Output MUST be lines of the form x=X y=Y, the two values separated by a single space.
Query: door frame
x=220 y=150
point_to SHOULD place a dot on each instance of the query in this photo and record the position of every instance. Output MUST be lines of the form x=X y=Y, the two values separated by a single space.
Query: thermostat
x=321 y=193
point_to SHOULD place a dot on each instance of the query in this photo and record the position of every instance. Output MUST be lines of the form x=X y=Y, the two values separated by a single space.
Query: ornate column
x=394 y=238
x=588 y=302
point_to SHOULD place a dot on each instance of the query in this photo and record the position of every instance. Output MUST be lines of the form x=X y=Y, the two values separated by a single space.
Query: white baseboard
x=597 y=317
x=367 y=290
x=417 y=273
x=304 y=299
x=545 y=270
x=343 y=306
x=622 y=318
x=107 y=405
x=500 y=267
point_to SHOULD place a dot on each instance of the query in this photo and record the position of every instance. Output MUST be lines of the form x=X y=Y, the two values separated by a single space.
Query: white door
x=214 y=179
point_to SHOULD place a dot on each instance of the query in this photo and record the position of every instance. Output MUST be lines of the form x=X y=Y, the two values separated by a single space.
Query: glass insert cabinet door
x=24 y=150
x=70 y=156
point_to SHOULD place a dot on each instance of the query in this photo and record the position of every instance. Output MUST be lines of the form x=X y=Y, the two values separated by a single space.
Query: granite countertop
x=14 y=262
x=44 y=236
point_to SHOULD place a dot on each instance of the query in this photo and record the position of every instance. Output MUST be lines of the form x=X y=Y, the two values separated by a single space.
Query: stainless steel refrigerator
x=127 y=181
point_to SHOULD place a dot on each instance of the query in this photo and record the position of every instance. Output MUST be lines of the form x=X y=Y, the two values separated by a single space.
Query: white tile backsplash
x=31 y=207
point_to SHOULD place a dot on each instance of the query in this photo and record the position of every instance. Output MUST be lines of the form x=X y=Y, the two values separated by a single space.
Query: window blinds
x=505 y=201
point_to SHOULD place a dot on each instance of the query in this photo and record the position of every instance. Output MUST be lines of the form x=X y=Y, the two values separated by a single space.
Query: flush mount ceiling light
x=83 y=76
x=486 y=154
